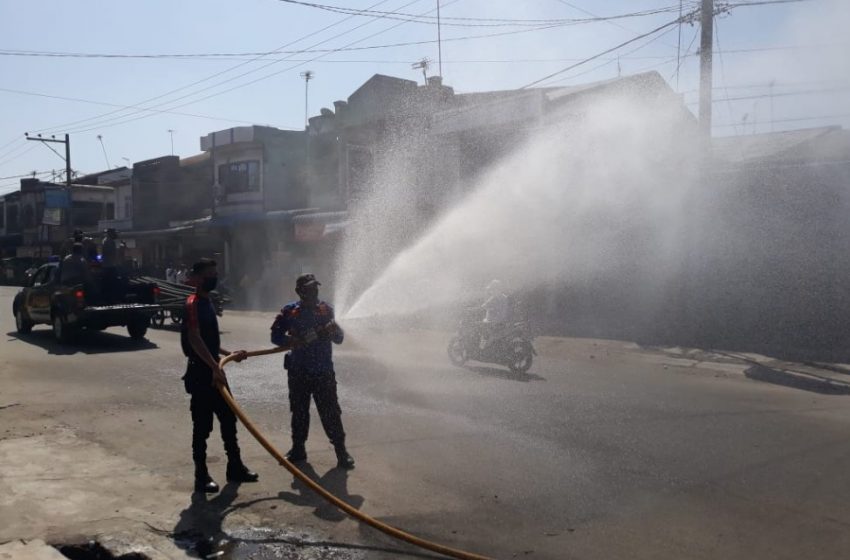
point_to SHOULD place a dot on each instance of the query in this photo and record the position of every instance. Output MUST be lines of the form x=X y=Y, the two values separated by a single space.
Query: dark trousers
x=205 y=403
x=322 y=388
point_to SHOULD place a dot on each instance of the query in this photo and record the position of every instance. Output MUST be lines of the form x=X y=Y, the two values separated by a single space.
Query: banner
x=52 y=217
x=56 y=198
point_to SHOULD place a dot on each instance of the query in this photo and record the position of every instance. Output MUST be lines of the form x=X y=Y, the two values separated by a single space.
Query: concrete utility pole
x=67 y=142
x=171 y=134
x=705 y=79
x=439 y=43
x=307 y=75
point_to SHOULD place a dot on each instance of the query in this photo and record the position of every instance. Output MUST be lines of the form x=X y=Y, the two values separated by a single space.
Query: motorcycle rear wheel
x=457 y=351
x=521 y=356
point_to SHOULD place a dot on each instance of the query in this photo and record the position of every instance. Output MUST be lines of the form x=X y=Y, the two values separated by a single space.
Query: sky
x=798 y=47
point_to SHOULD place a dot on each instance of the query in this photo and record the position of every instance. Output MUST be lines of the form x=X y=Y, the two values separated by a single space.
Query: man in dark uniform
x=109 y=263
x=308 y=325
x=201 y=344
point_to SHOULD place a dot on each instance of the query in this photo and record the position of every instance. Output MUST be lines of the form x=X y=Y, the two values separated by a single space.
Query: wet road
x=604 y=450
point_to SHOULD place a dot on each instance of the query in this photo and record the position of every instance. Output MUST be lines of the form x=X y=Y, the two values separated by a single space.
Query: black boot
x=297 y=454
x=343 y=459
x=204 y=482
x=238 y=472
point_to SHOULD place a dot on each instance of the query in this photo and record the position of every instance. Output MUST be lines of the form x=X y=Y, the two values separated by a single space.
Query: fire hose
x=318 y=489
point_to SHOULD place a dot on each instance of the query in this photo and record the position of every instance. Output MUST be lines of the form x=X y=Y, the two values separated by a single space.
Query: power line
x=796 y=119
x=722 y=70
x=607 y=51
x=782 y=94
x=474 y=22
x=210 y=77
x=129 y=117
x=614 y=22
x=597 y=67
x=26 y=175
x=681 y=59
x=28 y=150
x=266 y=54
x=104 y=103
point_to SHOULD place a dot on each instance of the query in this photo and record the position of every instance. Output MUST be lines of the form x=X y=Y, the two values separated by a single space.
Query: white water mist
x=588 y=197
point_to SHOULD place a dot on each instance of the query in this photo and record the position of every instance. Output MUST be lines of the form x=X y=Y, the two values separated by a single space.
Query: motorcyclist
x=497 y=313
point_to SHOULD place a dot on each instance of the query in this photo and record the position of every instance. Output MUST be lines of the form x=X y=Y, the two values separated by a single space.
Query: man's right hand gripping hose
x=310 y=483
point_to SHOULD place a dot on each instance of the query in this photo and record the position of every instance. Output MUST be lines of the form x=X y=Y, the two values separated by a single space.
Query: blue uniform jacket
x=295 y=320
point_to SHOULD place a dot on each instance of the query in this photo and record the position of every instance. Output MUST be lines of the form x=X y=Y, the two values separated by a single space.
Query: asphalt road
x=605 y=450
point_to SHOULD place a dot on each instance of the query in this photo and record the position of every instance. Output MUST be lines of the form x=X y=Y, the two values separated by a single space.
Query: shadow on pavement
x=86 y=342
x=335 y=481
x=199 y=529
x=501 y=373
x=796 y=380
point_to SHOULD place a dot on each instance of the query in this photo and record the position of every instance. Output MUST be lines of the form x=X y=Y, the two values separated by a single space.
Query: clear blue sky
x=230 y=26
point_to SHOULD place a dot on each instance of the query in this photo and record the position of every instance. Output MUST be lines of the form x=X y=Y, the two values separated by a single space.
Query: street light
x=307 y=75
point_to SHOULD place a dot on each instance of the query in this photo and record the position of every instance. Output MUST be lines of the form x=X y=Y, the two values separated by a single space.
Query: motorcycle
x=512 y=347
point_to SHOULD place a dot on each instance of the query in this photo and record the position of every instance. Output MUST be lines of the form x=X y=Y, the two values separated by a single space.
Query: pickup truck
x=70 y=309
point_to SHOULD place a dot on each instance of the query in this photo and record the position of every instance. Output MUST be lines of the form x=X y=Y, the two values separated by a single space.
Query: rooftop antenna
x=423 y=65
x=100 y=139
x=307 y=75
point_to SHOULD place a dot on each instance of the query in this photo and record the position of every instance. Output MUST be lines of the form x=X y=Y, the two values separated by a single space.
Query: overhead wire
x=261 y=78
x=594 y=68
x=207 y=78
x=794 y=119
x=130 y=116
x=722 y=70
x=473 y=22
x=606 y=51
x=104 y=103
x=192 y=84
x=267 y=54
x=681 y=59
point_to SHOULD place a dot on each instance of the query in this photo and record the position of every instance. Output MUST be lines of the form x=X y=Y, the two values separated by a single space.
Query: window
x=110 y=211
x=42 y=276
x=239 y=176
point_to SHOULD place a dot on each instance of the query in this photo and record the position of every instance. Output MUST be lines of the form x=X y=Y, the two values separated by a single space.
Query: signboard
x=56 y=198
x=52 y=217
x=309 y=231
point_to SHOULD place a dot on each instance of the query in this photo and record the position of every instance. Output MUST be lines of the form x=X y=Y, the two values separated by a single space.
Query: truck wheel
x=158 y=319
x=138 y=329
x=61 y=330
x=22 y=323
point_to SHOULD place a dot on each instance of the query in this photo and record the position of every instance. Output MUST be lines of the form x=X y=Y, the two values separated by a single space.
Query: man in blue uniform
x=202 y=345
x=308 y=325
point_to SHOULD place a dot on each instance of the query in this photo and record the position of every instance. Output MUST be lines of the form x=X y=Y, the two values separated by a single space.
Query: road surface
x=604 y=450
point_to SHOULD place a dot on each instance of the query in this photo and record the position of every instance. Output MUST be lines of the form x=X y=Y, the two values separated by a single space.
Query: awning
x=319 y=225
x=284 y=216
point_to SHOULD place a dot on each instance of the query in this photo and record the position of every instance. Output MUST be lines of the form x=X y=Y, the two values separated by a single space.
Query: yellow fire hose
x=350 y=510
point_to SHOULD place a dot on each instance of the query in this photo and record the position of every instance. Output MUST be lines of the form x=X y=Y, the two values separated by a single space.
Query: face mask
x=309 y=293
x=209 y=284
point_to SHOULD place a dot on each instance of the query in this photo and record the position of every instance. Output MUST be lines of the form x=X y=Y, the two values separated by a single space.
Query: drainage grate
x=94 y=551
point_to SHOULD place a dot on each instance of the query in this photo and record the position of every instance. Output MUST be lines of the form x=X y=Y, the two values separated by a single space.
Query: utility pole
x=439 y=43
x=171 y=134
x=67 y=142
x=307 y=75
x=706 y=44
